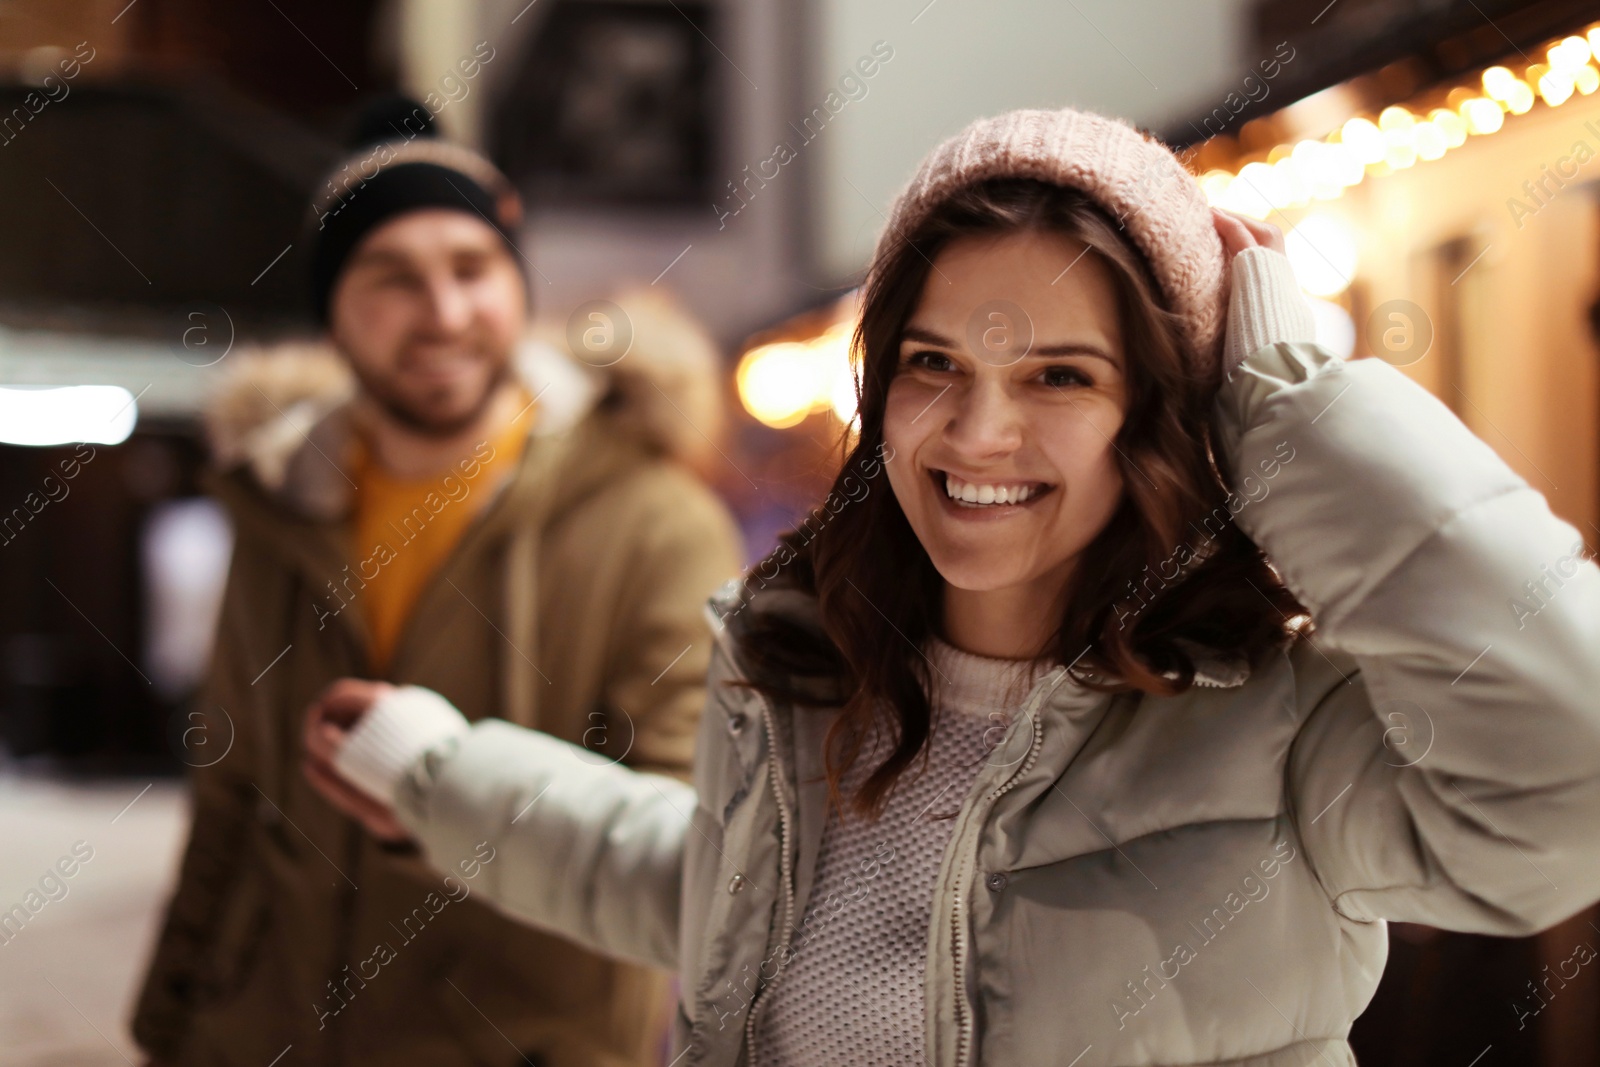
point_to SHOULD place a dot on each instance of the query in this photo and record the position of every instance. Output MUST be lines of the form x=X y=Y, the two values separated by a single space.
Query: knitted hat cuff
x=1133 y=177
x=391 y=179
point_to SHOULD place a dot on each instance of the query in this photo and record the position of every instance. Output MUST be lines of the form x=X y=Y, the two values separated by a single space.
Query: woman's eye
x=1062 y=377
x=933 y=361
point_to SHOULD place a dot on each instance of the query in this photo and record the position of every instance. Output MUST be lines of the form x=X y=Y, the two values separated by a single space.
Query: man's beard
x=422 y=422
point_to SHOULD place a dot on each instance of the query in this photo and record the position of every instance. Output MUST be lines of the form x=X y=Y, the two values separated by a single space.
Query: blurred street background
x=1434 y=162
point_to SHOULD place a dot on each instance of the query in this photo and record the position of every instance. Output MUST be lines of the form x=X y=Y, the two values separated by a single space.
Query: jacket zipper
x=957 y=940
x=786 y=875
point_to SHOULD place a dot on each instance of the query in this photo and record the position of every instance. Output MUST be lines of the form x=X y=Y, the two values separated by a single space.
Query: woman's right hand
x=328 y=723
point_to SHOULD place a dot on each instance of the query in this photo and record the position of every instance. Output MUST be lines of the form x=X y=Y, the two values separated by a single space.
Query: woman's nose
x=986 y=422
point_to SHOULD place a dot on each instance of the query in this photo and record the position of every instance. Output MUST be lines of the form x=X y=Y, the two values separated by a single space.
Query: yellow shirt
x=405 y=529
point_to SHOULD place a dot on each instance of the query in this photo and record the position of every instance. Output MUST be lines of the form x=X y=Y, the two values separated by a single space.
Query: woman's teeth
x=970 y=493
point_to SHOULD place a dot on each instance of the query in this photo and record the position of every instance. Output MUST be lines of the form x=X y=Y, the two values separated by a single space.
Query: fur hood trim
x=283 y=412
x=742 y=605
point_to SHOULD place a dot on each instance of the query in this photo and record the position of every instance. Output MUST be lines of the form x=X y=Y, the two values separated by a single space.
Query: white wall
x=736 y=274
x=812 y=227
x=431 y=37
x=1150 y=61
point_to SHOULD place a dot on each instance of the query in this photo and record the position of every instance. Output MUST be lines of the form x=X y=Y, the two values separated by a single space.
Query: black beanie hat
x=409 y=172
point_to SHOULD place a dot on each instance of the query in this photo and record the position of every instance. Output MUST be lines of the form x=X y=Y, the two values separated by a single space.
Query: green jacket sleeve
x=1472 y=615
x=660 y=645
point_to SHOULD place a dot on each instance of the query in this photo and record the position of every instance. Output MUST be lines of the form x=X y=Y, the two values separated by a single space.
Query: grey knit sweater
x=852 y=993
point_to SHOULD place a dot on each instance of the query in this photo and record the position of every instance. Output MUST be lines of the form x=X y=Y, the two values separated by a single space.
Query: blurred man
x=522 y=539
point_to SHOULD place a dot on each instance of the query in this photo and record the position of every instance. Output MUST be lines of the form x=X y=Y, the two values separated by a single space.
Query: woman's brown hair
x=1170 y=566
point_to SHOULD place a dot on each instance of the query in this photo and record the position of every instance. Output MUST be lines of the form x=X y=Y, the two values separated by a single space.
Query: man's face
x=428 y=309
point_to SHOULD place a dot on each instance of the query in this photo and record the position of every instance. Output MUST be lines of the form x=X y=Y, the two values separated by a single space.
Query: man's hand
x=329 y=721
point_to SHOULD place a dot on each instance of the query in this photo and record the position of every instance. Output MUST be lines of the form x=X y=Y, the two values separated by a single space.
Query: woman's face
x=1009 y=393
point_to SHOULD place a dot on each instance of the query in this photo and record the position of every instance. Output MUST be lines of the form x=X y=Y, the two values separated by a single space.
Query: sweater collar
x=970 y=684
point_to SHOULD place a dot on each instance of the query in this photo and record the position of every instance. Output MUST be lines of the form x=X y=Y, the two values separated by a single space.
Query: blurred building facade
x=1435 y=165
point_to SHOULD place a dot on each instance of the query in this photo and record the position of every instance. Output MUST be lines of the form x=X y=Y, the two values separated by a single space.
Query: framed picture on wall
x=612 y=105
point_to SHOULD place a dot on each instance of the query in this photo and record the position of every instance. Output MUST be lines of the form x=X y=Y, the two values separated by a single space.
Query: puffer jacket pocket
x=731 y=744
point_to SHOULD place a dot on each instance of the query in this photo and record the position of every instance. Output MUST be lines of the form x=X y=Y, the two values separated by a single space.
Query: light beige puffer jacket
x=1201 y=879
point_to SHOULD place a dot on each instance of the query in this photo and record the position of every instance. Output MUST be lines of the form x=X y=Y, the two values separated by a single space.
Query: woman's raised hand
x=1239 y=232
x=328 y=723
x=1265 y=305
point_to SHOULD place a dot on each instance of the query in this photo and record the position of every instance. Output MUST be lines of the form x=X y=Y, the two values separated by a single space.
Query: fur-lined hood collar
x=284 y=416
x=742 y=606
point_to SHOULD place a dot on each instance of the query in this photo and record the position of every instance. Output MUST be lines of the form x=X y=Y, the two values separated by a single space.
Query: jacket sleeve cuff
x=1264 y=305
x=394 y=734
x=1241 y=403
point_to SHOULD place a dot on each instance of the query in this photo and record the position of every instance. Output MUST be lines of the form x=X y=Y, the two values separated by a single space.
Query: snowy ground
x=68 y=977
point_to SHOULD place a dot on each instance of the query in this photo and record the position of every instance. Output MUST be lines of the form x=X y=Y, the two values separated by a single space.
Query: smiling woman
x=1078 y=802
x=1096 y=425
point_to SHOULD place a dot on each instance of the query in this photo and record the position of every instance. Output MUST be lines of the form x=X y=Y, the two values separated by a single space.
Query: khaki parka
x=573 y=604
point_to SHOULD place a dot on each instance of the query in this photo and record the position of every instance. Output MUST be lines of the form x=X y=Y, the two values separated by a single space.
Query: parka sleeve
x=1472 y=614
x=659 y=646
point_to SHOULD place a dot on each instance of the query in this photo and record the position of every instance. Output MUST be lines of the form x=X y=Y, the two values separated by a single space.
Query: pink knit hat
x=1134 y=178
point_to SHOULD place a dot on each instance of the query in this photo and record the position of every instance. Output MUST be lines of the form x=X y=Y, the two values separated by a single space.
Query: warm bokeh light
x=782 y=382
x=1521 y=99
x=777 y=382
x=1322 y=251
x=1556 y=87
x=1336 y=330
x=842 y=398
x=1569 y=54
x=1498 y=82
x=1399 y=129
x=1431 y=142
x=1215 y=184
x=1297 y=173
x=1255 y=192
x=1363 y=139
x=1396 y=119
x=1482 y=116
x=1346 y=167
x=1291 y=189
x=1451 y=125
